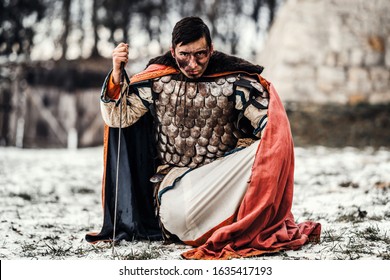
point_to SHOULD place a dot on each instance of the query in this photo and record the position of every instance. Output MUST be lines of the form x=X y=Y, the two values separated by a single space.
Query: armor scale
x=195 y=120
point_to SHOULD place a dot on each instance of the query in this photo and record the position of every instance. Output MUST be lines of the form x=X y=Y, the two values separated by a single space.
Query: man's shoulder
x=224 y=63
x=153 y=71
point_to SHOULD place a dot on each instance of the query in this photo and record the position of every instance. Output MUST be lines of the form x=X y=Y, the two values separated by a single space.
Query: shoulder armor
x=255 y=88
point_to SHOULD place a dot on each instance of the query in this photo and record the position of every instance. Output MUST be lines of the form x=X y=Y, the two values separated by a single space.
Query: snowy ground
x=49 y=199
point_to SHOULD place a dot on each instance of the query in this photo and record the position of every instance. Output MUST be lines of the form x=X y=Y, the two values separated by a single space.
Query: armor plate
x=195 y=120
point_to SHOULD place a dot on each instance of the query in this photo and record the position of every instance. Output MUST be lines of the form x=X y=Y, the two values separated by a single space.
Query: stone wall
x=330 y=62
x=335 y=51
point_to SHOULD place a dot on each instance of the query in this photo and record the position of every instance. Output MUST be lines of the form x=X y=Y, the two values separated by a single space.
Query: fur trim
x=219 y=62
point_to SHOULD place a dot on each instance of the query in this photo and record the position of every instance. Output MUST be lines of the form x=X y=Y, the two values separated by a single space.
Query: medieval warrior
x=206 y=156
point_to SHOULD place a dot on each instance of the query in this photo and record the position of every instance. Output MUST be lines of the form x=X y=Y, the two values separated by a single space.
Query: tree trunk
x=67 y=24
x=95 y=52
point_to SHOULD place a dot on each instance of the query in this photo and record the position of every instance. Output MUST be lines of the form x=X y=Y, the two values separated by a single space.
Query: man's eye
x=200 y=54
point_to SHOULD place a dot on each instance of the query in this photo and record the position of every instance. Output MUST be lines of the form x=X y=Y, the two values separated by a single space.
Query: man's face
x=192 y=58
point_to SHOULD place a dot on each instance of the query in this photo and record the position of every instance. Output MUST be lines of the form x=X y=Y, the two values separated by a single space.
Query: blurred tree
x=224 y=17
x=258 y=4
x=17 y=20
x=153 y=14
x=117 y=17
x=95 y=24
x=112 y=21
x=67 y=25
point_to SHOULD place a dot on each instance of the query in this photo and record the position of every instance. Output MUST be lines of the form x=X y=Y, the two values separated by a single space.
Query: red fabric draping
x=264 y=222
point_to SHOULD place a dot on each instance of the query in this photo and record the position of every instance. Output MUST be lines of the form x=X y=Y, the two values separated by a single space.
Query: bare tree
x=17 y=33
x=67 y=26
x=95 y=24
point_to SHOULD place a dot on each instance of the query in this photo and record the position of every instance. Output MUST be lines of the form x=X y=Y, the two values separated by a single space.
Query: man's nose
x=192 y=62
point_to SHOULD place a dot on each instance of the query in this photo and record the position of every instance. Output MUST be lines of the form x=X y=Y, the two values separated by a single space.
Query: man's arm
x=252 y=99
x=134 y=106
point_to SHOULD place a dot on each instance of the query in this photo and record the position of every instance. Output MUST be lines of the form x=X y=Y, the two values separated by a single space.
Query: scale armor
x=195 y=120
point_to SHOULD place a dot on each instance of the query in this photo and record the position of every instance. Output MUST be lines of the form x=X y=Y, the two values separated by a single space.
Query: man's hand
x=119 y=54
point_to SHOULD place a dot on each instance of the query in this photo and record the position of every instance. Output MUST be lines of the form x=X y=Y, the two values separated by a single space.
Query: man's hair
x=190 y=29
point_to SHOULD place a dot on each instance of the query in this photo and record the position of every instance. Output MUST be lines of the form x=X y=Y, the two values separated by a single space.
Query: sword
x=118 y=156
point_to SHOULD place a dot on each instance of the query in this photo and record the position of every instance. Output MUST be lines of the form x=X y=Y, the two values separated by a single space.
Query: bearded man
x=207 y=156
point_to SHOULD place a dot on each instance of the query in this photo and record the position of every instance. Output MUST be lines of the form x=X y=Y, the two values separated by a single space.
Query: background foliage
x=73 y=29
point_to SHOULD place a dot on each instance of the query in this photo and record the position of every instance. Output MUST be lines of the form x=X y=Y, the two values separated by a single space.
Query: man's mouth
x=193 y=73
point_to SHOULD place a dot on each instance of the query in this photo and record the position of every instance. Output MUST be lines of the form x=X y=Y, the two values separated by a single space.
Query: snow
x=50 y=198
